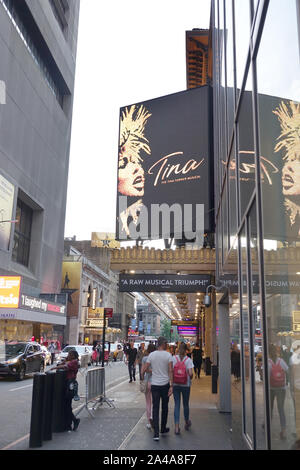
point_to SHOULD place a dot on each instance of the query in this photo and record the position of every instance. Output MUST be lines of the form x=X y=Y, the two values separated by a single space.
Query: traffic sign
x=108 y=312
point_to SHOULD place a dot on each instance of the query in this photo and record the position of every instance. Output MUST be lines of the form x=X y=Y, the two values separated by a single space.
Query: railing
x=94 y=390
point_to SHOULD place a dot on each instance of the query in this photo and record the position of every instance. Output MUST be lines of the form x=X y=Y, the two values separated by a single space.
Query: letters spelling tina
x=165 y=169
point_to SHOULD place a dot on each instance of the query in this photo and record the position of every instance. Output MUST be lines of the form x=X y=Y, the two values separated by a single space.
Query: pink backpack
x=277 y=377
x=179 y=372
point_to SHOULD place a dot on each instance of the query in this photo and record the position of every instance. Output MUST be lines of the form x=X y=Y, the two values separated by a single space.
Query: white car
x=83 y=352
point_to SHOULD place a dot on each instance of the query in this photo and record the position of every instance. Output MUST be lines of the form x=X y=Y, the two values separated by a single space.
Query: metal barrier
x=94 y=390
x=84 y=363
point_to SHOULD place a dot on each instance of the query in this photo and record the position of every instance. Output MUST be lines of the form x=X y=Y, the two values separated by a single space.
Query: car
x=47 y=355
x=83 y=352
x=18 y=359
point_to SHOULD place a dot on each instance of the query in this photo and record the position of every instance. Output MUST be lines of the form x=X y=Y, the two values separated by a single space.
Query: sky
x=128 y=52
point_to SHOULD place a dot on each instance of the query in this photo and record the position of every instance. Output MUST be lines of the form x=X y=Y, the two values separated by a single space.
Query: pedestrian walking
x=235 y=362
x=161 y=364
x=71 y=366
x=197 y=359
x=51 y=349
x=147 y=378
x=277 y=378
x=139 y=356
x=131 y=361
x=182 y=375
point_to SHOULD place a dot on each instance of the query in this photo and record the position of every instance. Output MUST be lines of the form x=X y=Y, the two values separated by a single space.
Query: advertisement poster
x=10 y=291
x=70 y=284
x=279 y=120
x=7 y=192
x=164 y=158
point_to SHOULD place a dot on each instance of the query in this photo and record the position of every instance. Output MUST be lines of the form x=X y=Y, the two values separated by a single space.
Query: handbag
x=143 y=386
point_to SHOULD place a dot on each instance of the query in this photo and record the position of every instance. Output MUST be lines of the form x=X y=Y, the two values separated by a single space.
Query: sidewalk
x=124 y=428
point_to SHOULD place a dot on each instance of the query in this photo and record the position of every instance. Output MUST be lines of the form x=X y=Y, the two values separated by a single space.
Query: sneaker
x=148 y=426
x=76 y=424
x=156 y=438
x=165 y=431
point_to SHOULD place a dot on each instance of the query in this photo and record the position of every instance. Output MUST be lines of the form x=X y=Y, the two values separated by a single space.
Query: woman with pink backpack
x=182 y=375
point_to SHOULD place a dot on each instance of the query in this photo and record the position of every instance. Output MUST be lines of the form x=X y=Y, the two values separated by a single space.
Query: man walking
x=51 y=349
x=131 y=359
x=161 y=364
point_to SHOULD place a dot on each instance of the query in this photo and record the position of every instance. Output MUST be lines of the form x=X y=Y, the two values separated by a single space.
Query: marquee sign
x=163 y=282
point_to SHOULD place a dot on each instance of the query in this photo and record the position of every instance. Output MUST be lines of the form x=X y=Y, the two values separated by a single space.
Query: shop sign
x=164 y=282
x=184 y=323
x=40 y=305
x=9 y=291
x=96 y=323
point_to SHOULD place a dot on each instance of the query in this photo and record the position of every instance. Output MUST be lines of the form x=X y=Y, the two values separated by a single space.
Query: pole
x=103 y=339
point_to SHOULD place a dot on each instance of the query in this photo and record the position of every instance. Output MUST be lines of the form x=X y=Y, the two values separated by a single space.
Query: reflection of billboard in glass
x=164 y=158
x=187 y=330
x=279 y=164
x=7 y=192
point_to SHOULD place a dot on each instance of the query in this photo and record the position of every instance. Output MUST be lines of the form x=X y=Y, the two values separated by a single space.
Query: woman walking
x=147 y=376
x=182 y=375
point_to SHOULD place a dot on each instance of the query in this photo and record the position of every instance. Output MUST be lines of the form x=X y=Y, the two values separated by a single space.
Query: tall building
x=38 y=42
x=257 y=211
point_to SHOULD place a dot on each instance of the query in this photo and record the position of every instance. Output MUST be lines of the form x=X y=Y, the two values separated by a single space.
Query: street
x=16 y=397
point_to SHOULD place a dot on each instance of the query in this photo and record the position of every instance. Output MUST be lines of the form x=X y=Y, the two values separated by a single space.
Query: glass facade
x=257 y=199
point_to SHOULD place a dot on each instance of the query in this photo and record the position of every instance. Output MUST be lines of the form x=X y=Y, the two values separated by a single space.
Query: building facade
x=257 y=210
x=86 y=275
x=38 y=42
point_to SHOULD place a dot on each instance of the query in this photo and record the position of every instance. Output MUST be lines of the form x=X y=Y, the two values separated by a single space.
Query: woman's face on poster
x=131 y=177
x=291 y=178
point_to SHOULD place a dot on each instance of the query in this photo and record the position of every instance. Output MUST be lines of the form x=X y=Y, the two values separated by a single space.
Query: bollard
x=58 y=415
x=48 y=406
x=214 y=378
x=36 y=423
x=207 y=366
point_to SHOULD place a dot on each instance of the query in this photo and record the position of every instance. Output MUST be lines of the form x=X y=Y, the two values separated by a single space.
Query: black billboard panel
x=164 y=282
x=165 y=164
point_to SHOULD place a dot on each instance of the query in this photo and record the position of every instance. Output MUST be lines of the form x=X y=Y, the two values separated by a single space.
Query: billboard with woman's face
x=164 y=166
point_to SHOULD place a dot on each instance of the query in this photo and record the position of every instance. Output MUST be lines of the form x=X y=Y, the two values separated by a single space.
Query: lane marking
x=19 y=388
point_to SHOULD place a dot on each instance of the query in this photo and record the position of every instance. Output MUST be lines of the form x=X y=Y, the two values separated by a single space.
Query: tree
x=165 y=330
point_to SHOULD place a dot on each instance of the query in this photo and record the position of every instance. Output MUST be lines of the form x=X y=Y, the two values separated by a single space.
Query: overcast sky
x=127 y=52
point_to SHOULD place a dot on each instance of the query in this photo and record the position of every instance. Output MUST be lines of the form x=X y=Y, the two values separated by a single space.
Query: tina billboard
x=165 y=167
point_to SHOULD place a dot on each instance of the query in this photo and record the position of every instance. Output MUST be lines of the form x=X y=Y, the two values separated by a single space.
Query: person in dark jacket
x=235 y=362
x=197 y=359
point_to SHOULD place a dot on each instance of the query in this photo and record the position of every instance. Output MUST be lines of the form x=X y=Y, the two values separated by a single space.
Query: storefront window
x=246 y=147
x=279 y=114
x=248 y=406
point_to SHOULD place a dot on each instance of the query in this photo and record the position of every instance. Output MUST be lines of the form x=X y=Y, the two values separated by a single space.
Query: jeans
x=131 y=370
x=148 y=397
x=185 y=391
x=160 y=392
x=280 y=397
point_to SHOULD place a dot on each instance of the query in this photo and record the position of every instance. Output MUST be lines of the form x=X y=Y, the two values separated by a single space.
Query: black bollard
x=36 y=423
x=48 y=406
x=59 y=400
x=214 y=379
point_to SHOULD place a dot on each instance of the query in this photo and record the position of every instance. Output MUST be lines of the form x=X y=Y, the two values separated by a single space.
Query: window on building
x=22 y=236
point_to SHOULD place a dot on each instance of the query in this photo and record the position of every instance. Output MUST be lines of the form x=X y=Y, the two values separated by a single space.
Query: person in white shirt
x=161 y=364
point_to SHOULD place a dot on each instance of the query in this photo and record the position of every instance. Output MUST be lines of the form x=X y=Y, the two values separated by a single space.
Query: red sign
x=108 y=312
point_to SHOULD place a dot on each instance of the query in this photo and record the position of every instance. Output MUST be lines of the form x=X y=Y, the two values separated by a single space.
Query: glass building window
x=22 y=235
x=279 y=113
x=242 y=37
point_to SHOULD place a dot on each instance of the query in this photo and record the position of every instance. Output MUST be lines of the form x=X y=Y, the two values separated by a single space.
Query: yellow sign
x=70 y=283
x=104 y=240
x=96 y=313
x=96 y=323
x=10 y=291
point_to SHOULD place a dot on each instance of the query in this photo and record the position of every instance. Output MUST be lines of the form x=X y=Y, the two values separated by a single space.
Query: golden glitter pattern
x=132 y=128
x=289 y=139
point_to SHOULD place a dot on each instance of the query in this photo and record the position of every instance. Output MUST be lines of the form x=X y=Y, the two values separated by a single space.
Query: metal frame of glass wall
x=237 y=31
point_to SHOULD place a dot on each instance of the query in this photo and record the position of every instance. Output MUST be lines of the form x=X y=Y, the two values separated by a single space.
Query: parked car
x=18 y=359
x=83 y=351
x=47 y=355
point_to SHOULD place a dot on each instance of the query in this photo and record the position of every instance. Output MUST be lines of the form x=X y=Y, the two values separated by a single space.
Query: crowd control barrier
x=94 y=390
x=48 y=406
